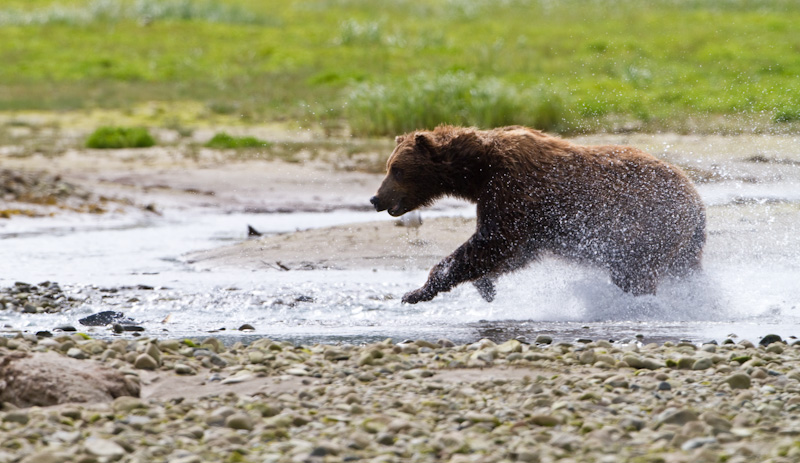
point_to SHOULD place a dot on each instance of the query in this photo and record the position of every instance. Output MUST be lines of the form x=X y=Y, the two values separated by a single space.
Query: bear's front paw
x=419 y=295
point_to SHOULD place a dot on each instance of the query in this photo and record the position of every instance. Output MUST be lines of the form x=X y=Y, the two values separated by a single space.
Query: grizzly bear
x=612 y=206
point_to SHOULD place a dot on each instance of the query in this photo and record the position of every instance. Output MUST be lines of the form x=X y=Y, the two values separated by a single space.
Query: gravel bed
x=46 y=297
x=422 y=402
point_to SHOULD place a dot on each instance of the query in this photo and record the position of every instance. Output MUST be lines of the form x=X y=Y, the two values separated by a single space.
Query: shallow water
x=750 y=286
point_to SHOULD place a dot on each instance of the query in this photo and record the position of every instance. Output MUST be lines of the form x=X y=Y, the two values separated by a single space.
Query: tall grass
x=460 y=98
x=141 y=10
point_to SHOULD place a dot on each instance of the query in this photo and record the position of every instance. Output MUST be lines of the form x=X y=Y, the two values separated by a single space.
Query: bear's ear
x=424 y=145
x=399 y=139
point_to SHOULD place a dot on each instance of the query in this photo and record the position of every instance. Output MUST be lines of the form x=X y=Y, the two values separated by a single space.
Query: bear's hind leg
x=485 y=287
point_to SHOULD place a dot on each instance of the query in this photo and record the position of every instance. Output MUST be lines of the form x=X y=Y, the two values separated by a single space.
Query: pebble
x=769 y=339
x=239 y=421
x=145 y=362
x=103 y=448
x=76 y=353
x=702 y=364
x=738 y=381
x=676 y=416
x=183 y=369
x=17 y=416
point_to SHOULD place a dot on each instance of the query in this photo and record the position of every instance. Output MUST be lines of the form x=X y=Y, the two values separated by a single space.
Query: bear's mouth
x=396 y=210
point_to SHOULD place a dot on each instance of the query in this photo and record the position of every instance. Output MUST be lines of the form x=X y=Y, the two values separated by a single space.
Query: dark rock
x=304 y=298
x=44 y=334
x=65 y=328
x=769 y=339
x=252 y=231
x=664 y=386
x=104 y=318
x=132 y=328
x=246 y=327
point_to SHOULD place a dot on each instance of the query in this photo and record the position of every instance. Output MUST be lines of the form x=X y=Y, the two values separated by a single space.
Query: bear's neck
x=464 y=174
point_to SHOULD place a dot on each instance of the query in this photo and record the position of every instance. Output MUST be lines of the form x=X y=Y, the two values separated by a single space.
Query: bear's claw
x=418 y=295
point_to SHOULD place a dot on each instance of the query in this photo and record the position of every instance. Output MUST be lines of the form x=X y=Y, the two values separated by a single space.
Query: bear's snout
x=376 y=202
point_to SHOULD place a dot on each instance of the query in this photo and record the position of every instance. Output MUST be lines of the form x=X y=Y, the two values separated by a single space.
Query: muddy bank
x=384 y=245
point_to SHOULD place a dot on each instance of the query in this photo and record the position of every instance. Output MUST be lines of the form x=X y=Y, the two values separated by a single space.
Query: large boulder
x=44 y=379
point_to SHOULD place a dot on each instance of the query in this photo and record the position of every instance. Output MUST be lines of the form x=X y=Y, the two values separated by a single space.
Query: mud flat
x=417 y=401
x=383 y=245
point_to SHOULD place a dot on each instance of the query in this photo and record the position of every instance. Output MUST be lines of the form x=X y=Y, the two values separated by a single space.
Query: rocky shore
x=415 y=401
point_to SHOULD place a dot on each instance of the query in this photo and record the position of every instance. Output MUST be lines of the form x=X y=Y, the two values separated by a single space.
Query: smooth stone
x=134 y=328
x=69 y=328
x=664 y=386
x=247 y=327
x=238 y=378
x=48 y=457
x=76 y=353
x=769 y=339
x=716 y=422
x=183 y=369
x=219 y=416
x=239 y=421
x=738 y=381
x=154 y=352
x=676 y=416
x=686 y=363
x=127 y=404
x=145 y=362
x=385 y=438
x=19 y=417
x=587 y=357
x=510 y=346
x=543 y=339
x=697 y=442
x=544 y=420
x=775 y=348
x=702 y=364
x=103 y=448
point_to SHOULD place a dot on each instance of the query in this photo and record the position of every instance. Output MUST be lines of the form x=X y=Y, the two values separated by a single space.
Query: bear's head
x=414 y=176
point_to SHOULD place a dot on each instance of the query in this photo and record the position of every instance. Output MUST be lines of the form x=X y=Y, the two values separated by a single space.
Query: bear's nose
x=374 y=201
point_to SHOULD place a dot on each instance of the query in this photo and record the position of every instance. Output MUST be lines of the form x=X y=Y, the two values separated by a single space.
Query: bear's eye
x=397 y=173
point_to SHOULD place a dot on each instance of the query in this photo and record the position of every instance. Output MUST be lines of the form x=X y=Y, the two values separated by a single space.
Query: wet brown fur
x=613 y=206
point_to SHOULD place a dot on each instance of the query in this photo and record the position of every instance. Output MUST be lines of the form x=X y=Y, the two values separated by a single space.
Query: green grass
x=386 y=67
x=457 y=98
x=224 y=141
x=120 y=137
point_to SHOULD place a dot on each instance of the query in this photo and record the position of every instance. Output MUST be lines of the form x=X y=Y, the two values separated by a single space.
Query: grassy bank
x=385 y=67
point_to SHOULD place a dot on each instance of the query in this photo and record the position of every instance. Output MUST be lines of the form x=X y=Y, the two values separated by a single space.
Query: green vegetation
x=454 y=98
x=224 y=141
x=120 y=137
x=380 y=68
